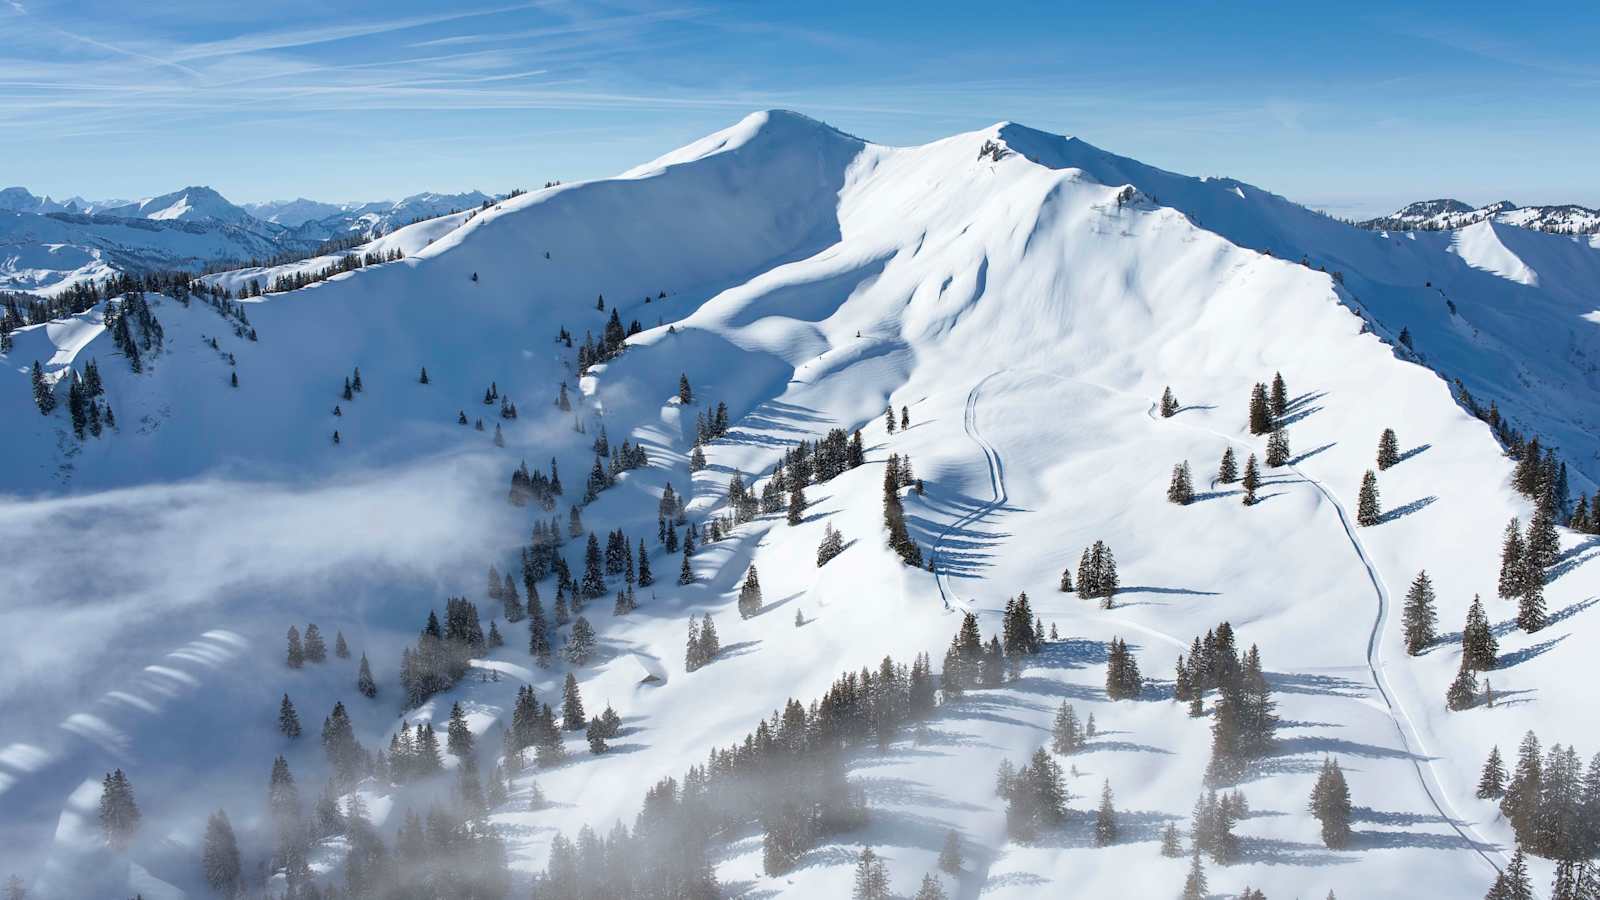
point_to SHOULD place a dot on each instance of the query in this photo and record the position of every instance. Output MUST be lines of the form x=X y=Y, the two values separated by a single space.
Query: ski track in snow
x=1405 y=727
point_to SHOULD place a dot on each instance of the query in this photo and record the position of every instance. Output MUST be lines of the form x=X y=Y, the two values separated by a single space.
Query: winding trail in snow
x=1405 y=727
x=997 y=487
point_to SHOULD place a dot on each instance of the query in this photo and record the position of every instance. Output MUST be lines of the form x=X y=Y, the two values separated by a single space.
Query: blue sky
x=1355 y=108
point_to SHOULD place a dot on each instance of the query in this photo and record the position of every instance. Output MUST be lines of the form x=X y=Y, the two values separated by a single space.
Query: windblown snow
x=1026 y=297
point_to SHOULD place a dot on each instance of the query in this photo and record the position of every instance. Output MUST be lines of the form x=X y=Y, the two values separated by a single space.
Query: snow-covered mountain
x=1448 y=215
x=48 y=247
x=1018 y=302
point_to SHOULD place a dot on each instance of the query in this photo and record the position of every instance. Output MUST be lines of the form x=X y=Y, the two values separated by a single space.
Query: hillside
x=1025 y=298
x=1448 y=215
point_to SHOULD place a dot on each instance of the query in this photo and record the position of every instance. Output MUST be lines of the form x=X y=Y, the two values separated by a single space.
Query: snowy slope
x=1026 y=309
x=1447 y=215
x=190 y=204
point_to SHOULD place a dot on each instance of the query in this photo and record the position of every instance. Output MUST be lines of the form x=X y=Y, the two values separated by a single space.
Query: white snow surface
x=1027 y=318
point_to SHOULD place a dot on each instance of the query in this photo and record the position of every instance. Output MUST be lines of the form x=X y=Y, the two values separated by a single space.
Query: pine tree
x=1478 y=645
x=1278 y=447
x=685 y=395
x=582 y=645
x=872 y=877
x=685 y=573
x=1065 y=736
x=1544 y=542
x=1492 y=783
x=1251 y=480
x=1514 y=881
x=458 y=741
x=1388 y=449
x=930 y=889
x=1330 y=803
x=219 y=856
x=572 y=715
x=750 y=594
x=297 y=653
x=1530 y=606
x=1228 y=469
x=1181 y=488
x=1169 y=403
x=1520 y=802
x=950 y=854
x=288 y=719
x=1419 y=618
x=1171 y=847
x=1279 y=401
x=1105 y=819
x=364 y=681
x=341 y=648
x=832 y=545
x=43 y=394
x=1367 y=509
x=316 y=650
x=1194 y=886
x=1463 y=690
x=233 y=379
x=1260 y=412
x=119 y=813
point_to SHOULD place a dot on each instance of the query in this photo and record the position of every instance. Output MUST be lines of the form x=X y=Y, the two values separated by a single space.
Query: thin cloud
x=307 y=37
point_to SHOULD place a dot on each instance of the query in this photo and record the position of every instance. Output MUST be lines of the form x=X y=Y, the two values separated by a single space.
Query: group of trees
x=134 y=328
x=613 y=340
x=312 y=648
x=1330 y=804
x=786 y=777
x=349 y=262
x=1552 y=803
x=1097 y=575
x=703 y=644
x=1211 y=827
x=1523 y=559
x=440 y=656
x=970 y=663
x=896 y=477
x=1244 y=717
x=1123 y=681
x=1035 y=795
x=1478 y=654
x=82 y=400
x=535 y=725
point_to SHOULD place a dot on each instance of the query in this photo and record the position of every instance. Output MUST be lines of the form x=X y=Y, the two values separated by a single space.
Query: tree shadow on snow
x=1213 y=495
x=1149 y=589
x=1401 y=512
x=1297 y=460
x=1306 y=683
x=1518 y=657
x=1330 y=746
x=1414 y=451
x=1572 y=559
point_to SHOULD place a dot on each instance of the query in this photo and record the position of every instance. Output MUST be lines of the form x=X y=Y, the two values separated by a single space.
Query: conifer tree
x=888 y=419
x=1388 y=449
x=1492 y=783
x=572 y=715
x=1194 y=885
x=797 y=505
x=219 y=856
x=1065 y=735
x=1279 y=400
x=364 y=681
x=750 y=594
x=1520 y=802
x=288 y=719
x=685 y=573
x=832 y=545
x=296 y=653
x=582 y=644
x=1368 y=511
x=1419 y=618
x=458 y=741
x=1169 y=403
x=1180 y=489
x=1251 y=480
x=1228 y=469
x=872 y=877
x=1260 y=412
x=316 y=650
x=1105 y=819
x=119 y=813
x=341 y=648
x=930 y=889
x=1530 y=606
x=685 y=395
x=1330 y=804
x=950 y=854
x=1463 y=690
x=1278 y=447
x=692 y=659
x=1478 y=645
x=43 y=395
x=1171 y=847
x=1544 y=543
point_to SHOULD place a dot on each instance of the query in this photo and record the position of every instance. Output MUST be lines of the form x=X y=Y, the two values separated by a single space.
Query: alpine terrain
x=795 y=515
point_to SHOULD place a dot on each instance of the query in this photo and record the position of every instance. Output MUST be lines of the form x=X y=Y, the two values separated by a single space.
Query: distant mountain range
x=48 y=245
x=1447 y=215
